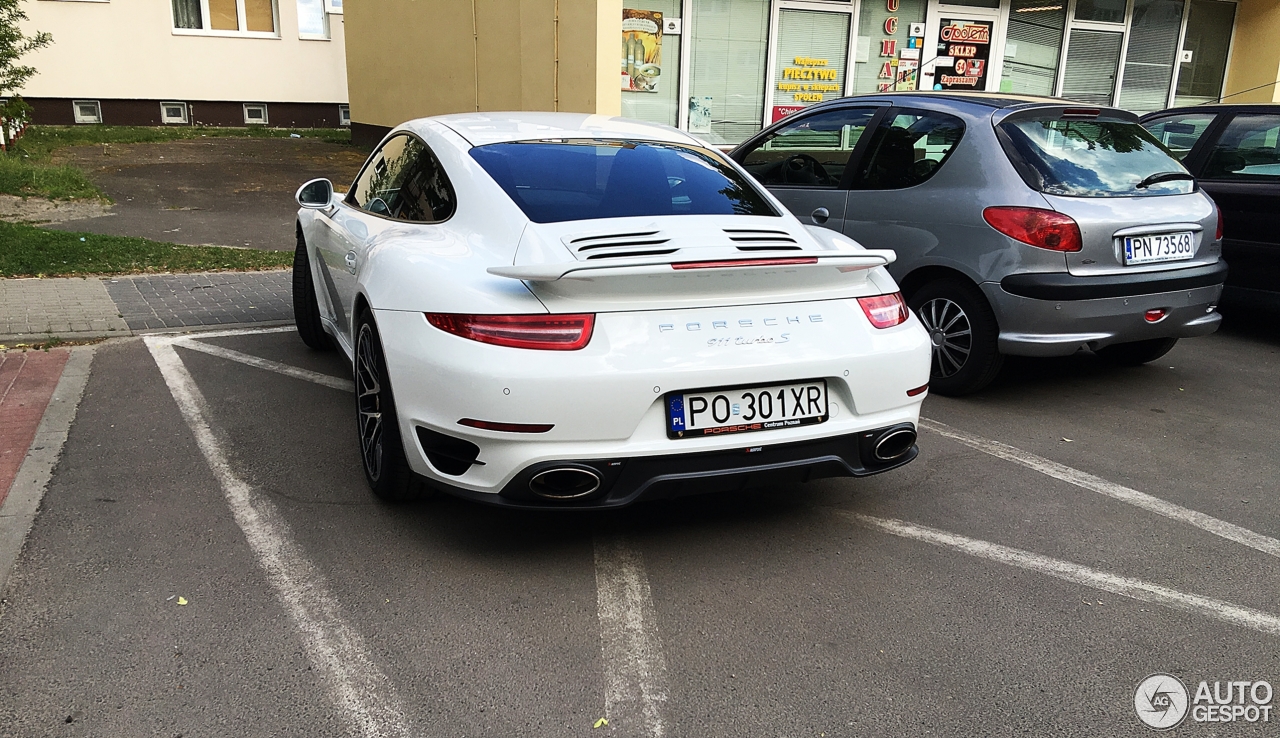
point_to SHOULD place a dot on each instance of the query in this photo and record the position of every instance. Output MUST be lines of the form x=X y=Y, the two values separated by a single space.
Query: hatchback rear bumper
x=1047 y=327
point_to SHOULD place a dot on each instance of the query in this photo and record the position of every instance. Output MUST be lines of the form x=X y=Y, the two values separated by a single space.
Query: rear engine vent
x=449 y=455
x=762 y=240
x=615 y=245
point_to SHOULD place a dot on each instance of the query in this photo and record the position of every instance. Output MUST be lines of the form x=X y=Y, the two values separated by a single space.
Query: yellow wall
x=412 y=58
x=1255 y=53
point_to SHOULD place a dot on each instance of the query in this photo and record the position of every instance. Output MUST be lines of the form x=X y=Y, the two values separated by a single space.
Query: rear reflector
x=543 y=332
x=506 y=427
x=884 y=311
x=1155 y=315
x=745 y=263
x=1044 y=229
x=918 y=391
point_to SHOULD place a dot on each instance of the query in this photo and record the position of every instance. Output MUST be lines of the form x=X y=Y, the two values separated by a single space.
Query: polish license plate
x=1159 y=247
x=746 y=409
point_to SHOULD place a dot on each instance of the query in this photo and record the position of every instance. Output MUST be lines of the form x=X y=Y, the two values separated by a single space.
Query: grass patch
x=26 y=251
x=25 y=169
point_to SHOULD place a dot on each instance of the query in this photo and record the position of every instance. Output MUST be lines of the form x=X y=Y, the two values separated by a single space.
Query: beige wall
x=412 y=58
x=1255 y=53
x=127 y=49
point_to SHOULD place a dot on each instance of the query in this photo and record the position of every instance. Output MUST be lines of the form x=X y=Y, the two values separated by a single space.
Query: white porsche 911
x=555 y=309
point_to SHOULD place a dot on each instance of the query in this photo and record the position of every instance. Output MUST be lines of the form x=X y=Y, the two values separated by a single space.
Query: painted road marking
x=634 y=668
x=27 y=381
x=1133 y=588
x=334 y=647
x=288 y=370
x=1084 y=480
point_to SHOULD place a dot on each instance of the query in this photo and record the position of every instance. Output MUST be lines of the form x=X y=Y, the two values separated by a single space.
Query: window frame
x=1207 y=134
x=855 y=156
x=240 y=19
x=75 y=112
x=855 y=172
x=186 y=113
x=328 y=27
x=349 y=199
x=1207 y=146
x=266 y=119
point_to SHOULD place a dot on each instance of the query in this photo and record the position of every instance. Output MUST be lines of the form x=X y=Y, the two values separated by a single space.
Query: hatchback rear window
x=1091 y=158
x=554 y=181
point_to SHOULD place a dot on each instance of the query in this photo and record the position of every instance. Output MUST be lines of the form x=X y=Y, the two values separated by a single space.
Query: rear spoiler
x=845 y=262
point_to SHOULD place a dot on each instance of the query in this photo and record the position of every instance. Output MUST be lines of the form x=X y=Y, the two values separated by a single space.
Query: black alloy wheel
x=963 y=334
x=381 y=448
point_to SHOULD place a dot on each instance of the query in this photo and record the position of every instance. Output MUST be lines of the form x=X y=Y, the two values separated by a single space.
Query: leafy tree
x=13 y=45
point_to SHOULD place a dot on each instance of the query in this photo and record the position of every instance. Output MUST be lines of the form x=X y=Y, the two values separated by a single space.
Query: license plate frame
x=1158 y=248
x=676 y=402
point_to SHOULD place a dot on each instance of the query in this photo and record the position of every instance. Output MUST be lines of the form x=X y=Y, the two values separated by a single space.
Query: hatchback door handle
x=820 y=215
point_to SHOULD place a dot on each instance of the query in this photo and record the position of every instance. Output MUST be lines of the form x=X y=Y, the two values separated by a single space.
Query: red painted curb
x=27 y=381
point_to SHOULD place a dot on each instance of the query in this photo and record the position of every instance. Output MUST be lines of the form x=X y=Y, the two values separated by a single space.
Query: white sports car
x=554 y=309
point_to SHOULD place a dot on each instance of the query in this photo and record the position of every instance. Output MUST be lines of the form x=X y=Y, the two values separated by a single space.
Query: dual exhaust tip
x=565 y=483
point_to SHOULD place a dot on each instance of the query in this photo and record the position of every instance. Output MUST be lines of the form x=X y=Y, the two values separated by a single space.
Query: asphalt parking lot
x=1062 y=535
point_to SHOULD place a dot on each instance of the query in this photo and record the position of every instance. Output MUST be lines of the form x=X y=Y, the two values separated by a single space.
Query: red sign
x=782 y=111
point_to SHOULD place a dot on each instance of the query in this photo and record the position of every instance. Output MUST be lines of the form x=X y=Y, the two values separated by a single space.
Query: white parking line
x=1084 y=480
x=288 y=370
x=1133 y=588
x=634 y=669
x=334 y=648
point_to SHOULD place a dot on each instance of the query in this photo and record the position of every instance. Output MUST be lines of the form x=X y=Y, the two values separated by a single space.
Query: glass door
x=1093 y=59
x=964 y=46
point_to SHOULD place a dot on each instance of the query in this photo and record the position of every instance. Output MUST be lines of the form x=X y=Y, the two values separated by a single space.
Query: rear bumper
x=1064 y=286
x=1042 y=327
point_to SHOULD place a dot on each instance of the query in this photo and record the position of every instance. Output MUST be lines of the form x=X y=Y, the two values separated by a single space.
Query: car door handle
x=820 y=215
x=351 y=262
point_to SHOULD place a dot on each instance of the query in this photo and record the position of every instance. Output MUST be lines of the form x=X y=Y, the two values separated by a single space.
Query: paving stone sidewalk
x=34 y=310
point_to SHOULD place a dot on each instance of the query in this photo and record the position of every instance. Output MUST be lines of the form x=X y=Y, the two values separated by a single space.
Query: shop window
x=1208 y=40
x=1150 y=55
x=1093 y=58
x=651 y=87
x=405 y=181
x=1033 y=44
x=1100 y=11
x=251 y=17
x=811 y=58
x=1248 y=150
x=730 y=45
x=907 y=149
x=812 y=151
x=173 y=112
x=888 y=56
x=1179 y=133
x=313 y=21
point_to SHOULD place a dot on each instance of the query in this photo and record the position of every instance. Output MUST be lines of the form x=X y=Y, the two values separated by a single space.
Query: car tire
x=306 y=310
x=377 y=426
x=1136 y=353
x=964 y=334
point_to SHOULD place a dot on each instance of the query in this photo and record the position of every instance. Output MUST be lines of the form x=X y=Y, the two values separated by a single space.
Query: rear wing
x=845 y=262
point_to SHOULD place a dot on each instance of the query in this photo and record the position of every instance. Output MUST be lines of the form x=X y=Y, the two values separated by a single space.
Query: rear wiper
x=1159 y=177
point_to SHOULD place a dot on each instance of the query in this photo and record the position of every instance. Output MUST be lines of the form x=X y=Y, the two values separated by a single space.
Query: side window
x=405 y=181
x=907 y=148
x=1249 y=149
x=811 y=152
x=1179 y=133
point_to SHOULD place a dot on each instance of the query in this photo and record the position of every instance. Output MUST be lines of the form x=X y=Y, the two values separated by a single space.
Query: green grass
x=26 y=251
x=25 y=169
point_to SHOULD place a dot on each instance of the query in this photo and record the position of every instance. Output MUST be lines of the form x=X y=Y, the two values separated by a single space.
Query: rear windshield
x=1091 y=158
x=555 y=181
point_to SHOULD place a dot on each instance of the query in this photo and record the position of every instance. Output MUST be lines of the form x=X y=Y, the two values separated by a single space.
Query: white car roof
x=488 y=128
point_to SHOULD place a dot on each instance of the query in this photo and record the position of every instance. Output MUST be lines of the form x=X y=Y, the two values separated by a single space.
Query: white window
x=344 y=115
x=258 y=18
x=333 y=6
x=313 y=21
x=87 y=111
x=255 y=114
x=173 y=112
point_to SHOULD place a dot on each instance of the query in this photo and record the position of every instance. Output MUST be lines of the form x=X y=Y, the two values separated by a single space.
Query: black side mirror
x=318 y=194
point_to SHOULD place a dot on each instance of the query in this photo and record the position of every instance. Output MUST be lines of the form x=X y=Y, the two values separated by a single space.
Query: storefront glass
x=1033 y=43
x=1208 y=39
x=729 y=42
x=652 y=98
x=1093 y=59
x=810 y=61
x=1150 y=55
x=1100 y=11
x=888 y=54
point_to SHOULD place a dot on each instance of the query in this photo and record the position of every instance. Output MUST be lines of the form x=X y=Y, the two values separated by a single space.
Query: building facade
x=188 y=62
x=725 y=68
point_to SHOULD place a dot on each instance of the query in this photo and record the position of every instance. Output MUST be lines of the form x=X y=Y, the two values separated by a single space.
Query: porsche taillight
x=543 y=332
x=884 y=311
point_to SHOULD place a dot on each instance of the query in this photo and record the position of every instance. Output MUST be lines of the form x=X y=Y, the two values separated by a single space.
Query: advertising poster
x=641 y=50
x=964 y=54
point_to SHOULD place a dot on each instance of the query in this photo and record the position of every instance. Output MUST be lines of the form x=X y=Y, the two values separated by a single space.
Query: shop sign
x=809 y=80
x=782 y=111
x=641 y=50
x=964 y=51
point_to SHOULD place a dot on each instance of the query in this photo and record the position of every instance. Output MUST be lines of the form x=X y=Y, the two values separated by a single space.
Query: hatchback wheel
x=963 y=333
x=381 y=449
x=306 y=310
x=1136 y=352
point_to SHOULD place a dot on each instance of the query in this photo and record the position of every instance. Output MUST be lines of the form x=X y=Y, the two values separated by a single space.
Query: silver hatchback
x=1023 y=226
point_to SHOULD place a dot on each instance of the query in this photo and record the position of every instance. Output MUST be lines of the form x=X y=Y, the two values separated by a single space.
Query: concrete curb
x=36 y=338
x=20 y=507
